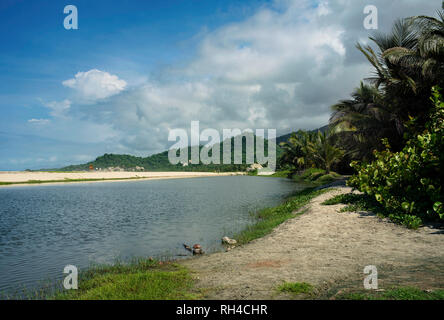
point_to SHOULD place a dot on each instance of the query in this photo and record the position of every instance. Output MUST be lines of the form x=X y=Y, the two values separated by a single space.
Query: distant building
x=254 y=166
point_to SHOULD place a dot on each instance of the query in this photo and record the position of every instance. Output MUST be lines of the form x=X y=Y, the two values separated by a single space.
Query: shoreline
x=318 y=245
x=21 y=178
x=327 y=249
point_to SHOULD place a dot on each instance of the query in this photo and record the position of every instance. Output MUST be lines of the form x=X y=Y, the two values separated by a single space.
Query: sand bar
x=23 y=177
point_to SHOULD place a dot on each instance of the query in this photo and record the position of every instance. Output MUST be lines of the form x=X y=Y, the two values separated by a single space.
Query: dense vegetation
x=409 y=182
x=390 y=132
x=160 y=162
x=311 y=149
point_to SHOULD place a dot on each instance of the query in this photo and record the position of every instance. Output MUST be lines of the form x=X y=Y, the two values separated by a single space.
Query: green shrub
x=409 y=183
x=308 y=174
x=327 y=178
x=316 y=176
x=296 y=287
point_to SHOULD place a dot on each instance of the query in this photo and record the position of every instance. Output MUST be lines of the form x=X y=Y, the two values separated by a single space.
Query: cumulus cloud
x=283 y=67
x=94 y=85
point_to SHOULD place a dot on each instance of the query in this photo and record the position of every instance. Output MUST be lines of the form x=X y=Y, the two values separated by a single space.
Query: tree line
x=389 y=133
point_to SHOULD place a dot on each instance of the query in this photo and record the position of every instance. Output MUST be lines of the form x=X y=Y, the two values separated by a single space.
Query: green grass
x=316 y=177
x=252 y=172
x=269 y=218
x=312 y=173
x=280 y=174
x=360 y=200
x=143 y=279
x=401 y=293
x=296 y=287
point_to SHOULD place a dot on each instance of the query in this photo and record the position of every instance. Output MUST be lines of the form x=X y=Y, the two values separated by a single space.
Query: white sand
x=20 y=176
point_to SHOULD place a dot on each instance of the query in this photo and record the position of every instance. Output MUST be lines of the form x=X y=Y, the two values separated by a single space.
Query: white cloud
x=283 y=67
x=94 y=85
x=39 y=121
x=58 y=108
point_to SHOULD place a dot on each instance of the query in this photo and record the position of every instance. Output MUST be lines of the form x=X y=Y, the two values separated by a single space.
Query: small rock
x=197 y=251
x=229 y=241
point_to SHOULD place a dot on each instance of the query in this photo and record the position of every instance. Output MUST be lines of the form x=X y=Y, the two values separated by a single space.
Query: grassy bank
x=143 y=279
x=316 y=177
x=311 y=176
x=269 y=218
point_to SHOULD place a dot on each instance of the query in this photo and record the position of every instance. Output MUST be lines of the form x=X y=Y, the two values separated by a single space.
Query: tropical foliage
x=310 y=149
x=361 y=122
x=408 y=62
x=390 y=130
x=409 y=182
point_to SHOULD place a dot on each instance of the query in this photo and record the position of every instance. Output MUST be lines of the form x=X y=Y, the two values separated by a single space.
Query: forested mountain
x=160 y=162
x=285 y=137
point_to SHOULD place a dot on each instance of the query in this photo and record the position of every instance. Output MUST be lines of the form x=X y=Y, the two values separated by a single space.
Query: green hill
x=160 y=162
x=285 y=137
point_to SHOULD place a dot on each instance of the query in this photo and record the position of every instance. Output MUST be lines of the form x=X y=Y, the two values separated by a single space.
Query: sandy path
x=328 y=249
x=21 y=176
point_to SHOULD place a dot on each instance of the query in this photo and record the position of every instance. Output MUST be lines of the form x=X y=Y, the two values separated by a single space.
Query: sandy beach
x=326 y=248
x=22 y=177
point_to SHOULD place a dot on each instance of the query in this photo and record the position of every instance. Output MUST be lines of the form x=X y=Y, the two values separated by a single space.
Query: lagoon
x=44 y=228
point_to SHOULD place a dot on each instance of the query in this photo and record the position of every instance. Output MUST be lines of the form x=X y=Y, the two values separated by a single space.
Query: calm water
x=44 y=228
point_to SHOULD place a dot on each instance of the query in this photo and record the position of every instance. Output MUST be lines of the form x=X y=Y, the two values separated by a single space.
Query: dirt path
x=328 y=249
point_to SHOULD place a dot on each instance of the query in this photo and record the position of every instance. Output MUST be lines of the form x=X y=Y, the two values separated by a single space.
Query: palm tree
x=359 y=124
x=408 y=63
x=295 y=150
x=306 y=149
x=431 y=44
x=402 y=36
x=323 y=153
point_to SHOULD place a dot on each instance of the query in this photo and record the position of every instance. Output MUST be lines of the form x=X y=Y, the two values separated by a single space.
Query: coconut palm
x=307 y=149
x=322 y=152
x=408 y=62
x=387 y=74
x=360 y=123
x=295 y=150
x=431 y=44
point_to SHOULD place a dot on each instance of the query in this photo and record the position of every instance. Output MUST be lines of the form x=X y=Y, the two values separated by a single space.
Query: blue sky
x=130 y=38
x=136 y=69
